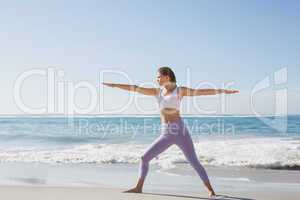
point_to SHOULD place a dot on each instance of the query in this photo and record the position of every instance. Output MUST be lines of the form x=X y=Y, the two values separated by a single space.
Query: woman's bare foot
x=138 y=188
x=211 y=194
x=134 y=190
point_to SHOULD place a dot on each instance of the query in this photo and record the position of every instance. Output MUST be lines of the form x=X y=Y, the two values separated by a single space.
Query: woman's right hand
x=109 y=84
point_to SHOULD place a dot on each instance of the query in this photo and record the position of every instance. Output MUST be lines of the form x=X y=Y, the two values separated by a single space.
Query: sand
x=43 y=182
x=91 y=193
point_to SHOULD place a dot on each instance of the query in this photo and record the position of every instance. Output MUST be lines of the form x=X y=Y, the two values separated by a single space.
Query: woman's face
x=161 y=79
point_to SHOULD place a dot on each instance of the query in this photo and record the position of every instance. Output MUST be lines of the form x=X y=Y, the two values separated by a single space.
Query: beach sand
x=80 y=193
x=74 y=182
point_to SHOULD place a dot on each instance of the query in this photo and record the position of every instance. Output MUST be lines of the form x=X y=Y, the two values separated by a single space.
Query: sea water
x=242 y=141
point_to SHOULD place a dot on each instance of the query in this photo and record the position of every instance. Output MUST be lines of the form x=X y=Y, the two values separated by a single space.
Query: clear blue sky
x=219 y=41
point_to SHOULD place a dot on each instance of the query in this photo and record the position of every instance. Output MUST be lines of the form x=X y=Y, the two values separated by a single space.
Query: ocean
x=270 y=142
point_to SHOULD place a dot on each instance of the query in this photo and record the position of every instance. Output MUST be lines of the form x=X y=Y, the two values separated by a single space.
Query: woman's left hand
x=231 y=91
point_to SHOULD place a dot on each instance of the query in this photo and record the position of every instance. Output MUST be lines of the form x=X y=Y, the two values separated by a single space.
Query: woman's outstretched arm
x=134 y=88
x=185 y=91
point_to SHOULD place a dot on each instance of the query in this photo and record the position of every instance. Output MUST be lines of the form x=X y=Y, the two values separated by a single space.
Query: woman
x=173 y=130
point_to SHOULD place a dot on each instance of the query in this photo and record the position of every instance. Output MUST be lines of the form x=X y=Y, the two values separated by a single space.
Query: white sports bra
x=170 y=100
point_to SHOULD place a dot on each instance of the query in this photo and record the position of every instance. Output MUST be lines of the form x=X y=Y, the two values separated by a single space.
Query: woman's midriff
x=169 y=115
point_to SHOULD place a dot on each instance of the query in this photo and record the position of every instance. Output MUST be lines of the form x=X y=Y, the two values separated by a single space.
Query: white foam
x=257 y=152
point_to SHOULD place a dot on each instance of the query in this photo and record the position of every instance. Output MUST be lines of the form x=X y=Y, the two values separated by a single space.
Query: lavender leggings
x=172 y=133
